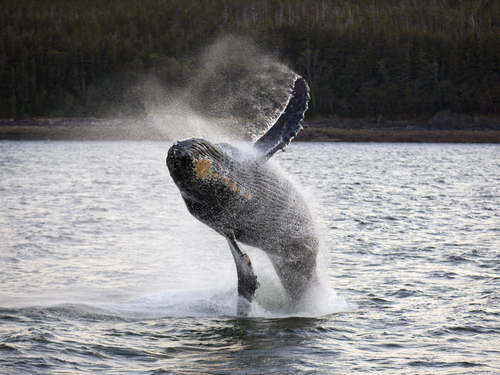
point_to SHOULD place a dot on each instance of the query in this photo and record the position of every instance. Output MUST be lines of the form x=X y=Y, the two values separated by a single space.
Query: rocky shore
x=444 y=127
x=81 y=129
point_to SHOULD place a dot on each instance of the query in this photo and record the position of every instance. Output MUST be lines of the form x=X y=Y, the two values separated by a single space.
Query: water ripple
x=103 y=270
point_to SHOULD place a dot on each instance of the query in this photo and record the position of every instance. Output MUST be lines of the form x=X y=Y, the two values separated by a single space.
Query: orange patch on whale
x=203 y=170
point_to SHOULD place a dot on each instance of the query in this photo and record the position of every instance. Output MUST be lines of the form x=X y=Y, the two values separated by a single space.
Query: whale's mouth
x=195 y=162
x=183 y=158
x=193 y=148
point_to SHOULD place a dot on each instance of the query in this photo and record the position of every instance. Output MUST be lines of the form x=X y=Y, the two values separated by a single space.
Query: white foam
x=320 y=301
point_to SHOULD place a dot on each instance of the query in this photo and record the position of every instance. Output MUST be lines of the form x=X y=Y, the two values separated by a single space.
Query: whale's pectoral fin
x=288 y=124
x=247 y=281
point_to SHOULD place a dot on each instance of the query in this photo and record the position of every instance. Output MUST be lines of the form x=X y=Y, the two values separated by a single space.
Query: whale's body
x=246 y=200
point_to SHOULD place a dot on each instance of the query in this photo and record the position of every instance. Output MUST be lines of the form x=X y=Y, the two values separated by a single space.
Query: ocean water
x=103 y=270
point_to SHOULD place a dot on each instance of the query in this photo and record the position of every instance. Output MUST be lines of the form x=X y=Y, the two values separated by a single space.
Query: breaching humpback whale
x=245 y=200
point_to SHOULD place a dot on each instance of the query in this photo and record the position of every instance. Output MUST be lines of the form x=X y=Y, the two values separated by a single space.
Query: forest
x=396 y=59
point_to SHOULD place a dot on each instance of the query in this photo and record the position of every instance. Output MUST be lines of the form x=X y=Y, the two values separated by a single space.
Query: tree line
x=362 y=58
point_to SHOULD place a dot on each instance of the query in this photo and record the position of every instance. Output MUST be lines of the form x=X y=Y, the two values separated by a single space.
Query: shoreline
x=336 y=130
x=398 y=136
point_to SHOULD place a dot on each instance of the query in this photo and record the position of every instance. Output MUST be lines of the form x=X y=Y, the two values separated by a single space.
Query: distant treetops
x=363 y=58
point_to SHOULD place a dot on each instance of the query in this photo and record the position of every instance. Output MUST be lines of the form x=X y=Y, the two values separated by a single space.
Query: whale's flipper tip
x=247 y=280
x=288 y=124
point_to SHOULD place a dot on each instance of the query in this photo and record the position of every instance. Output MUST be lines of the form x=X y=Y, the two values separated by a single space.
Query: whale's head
x=191 y=165
x=202 y=171
x=190 y=160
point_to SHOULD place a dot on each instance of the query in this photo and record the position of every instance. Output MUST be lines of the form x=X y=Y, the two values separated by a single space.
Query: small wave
x=222 y=302
x=320 y=301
